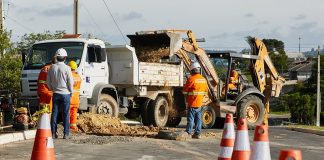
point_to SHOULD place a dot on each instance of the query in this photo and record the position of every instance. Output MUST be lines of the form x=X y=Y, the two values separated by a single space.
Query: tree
x=5 y=43
x=276 y=49
x=28 y=39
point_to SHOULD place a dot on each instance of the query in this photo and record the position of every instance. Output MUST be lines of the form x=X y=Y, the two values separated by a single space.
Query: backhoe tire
x=251 y=108
x=159 y=111
x=145 y=112
x=173 y=121
x=107 y=105
x=208 y=117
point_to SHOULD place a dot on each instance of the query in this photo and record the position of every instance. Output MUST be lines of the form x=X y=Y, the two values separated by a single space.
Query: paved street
x=312 y=147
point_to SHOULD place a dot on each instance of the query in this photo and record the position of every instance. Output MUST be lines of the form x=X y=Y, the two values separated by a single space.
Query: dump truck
x=113 y=79
x=250 y=101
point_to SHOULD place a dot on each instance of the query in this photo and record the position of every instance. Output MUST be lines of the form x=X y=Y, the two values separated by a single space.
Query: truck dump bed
x=125 y=69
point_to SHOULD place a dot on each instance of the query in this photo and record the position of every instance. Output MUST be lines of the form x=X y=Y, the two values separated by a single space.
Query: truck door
x=95 y=68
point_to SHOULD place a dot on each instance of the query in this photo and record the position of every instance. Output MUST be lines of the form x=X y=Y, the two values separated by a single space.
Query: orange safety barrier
x=43 y=145
x=261 y=148
x=228 y=138
x=242 y=145
x=290 y=154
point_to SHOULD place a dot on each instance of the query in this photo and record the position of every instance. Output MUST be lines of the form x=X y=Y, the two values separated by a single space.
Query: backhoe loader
x=251 y=102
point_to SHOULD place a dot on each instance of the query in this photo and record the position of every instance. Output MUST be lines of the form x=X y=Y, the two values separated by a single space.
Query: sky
x=223 y=23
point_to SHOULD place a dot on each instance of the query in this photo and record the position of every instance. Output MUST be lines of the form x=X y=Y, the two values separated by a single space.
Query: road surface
x=139 y=148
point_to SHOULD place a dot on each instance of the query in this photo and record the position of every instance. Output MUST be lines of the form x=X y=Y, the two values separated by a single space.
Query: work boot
x=54 y=136
x=196 y=136
x=66 y=137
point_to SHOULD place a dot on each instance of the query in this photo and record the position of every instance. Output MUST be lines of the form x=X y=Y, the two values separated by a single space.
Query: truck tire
x=251 y=108
x=107 y=105
x=173 y=121
x=145 y=112
x=159 y=112
x=208 y=117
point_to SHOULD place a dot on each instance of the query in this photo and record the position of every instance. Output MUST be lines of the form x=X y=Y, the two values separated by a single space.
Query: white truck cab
x=90 y=56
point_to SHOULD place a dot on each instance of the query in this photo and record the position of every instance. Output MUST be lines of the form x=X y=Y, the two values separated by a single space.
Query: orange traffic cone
x=261 y=149
x=228 y=138
x=242 y=144
x=43 y=144
x=290 y=154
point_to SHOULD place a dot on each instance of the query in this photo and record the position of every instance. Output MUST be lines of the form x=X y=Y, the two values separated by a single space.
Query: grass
x=279 y=112
x=307 y=127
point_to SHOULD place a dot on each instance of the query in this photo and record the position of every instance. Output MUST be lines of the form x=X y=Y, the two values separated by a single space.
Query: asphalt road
x=312 y=147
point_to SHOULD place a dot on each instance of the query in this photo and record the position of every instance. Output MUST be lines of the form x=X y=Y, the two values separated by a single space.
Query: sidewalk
x=17 y=136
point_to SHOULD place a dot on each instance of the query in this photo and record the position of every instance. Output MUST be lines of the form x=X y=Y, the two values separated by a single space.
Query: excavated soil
x=105 y=125
x=153 y=55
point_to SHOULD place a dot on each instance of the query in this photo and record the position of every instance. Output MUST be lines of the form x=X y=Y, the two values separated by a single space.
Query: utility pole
x=299 y=44
x=1 y=15
x=75 y=17
x=318 y=111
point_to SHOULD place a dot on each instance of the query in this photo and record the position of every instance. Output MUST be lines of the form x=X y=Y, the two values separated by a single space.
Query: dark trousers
x=194 y=117
x=61 y=101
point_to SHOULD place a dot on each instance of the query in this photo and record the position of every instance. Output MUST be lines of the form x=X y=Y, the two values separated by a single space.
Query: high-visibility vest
x=195 y=89
x=41 y=82
x=75 y=100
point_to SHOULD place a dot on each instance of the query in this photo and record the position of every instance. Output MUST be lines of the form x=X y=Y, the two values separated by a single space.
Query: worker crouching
x=195 y=89
x=75 y=100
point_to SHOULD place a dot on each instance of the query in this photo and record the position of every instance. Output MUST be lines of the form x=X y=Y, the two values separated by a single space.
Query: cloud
x=249 y=15
x=262 y=22
x=300 y=17
x=132 y=15
x=218 y=36
x=304 y=26
x=59 y=10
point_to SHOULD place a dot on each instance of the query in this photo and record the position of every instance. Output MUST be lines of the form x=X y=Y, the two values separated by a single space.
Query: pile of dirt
x=152 y=54
x=105 y=125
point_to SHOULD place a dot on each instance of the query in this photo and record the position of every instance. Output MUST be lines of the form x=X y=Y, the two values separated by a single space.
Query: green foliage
x=301 y=108
x=10 y=68
x=276 y=49
x=5 y=43
x=28 y=39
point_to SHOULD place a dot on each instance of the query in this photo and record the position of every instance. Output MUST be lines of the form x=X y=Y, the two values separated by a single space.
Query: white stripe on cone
x=242 y=142
x=260 y=150
x=50 y=143
x=230 y=132
x=226 y=152
x=44 y=122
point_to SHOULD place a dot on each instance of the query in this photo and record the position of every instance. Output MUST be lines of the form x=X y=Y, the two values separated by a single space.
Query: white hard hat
x=61 y=53
x=194 y=65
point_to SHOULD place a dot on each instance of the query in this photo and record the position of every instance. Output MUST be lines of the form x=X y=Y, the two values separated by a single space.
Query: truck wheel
x=208 y=117
x=173 y=121
x=107 y=105
x=251 y=108
x=145 y=113
x=159 y=112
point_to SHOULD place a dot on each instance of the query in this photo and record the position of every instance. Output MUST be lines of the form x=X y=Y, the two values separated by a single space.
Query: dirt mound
x=105 y=125
x=152 y=54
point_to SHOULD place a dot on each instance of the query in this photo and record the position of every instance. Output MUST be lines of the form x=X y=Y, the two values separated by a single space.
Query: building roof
x=303 y=67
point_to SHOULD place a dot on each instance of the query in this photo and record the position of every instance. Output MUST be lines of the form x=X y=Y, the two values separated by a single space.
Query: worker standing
x=75 y=100
x=195 y=89
x=60 y=81
x=44 y=93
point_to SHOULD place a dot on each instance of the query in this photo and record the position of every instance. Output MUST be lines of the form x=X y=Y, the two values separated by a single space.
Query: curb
x=18 y=136
x=311 y=131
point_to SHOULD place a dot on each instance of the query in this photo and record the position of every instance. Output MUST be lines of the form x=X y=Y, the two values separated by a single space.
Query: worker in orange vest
x=44 y=93
x=195 y=89
x=75 y=100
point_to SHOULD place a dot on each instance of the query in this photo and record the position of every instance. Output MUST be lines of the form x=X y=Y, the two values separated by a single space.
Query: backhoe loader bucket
x=152 y=46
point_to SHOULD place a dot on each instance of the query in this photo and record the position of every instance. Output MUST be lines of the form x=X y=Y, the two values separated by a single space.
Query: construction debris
x=153 y=55
x=105 y=125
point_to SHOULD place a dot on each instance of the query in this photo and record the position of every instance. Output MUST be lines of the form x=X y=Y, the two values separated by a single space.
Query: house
x=301 y=71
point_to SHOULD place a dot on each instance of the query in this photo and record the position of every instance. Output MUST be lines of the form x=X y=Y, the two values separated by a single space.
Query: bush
x=10 y=70
x=302 y=108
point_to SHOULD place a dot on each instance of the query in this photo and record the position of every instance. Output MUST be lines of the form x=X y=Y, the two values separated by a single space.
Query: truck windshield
x=41 y=54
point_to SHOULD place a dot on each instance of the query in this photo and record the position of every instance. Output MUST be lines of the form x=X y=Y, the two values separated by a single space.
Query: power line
x=21 y=25
x=115 y=21
x=91 y=17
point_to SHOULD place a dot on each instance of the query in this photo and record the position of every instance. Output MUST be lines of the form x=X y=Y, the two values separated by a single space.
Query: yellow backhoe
x=250 y=101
